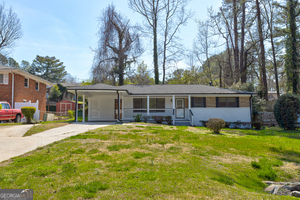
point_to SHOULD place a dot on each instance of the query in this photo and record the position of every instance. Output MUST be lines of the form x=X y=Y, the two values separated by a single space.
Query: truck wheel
x=18 y=119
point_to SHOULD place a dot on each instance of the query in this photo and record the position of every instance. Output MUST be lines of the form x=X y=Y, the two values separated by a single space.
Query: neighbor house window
x=1 y=78
x=26 y=83
x=157 y=103
x=37 y=86
x=198 y=102
x=140 y=103
x=227 y=101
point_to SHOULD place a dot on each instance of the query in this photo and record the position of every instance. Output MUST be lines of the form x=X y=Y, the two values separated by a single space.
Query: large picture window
x=227 y=101
x=157 y=103
x=140 y=103
x=198 y=102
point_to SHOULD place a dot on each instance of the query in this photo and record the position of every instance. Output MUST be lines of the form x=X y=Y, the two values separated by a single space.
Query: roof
x=69 y=84
x=162 y=89
x=23 y=73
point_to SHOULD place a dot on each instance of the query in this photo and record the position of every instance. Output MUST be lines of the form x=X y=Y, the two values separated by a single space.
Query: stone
x=296 y=193
x=296 y=188
x=240 y=126
x=273 y=189
x=232 y=125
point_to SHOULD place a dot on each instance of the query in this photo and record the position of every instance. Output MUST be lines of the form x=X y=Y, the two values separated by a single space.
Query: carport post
x=173 y=101
x=118 y=106
x=76 y=106
x=83 y=108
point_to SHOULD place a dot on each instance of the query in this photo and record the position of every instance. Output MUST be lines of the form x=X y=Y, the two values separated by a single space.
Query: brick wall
x=211 y=102
x=23 y=93
x=244 y=102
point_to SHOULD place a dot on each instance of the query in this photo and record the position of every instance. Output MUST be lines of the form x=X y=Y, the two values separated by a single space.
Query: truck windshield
x=5 y=106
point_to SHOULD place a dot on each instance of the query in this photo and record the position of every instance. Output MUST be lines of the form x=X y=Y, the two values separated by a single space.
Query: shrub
x=70 y=113
x=286 y=110
x=168 y=119
x=28 y=113
x=0 y=106
x=215 y=124
x=158 y=119
x=145 y=118
x=138 y=118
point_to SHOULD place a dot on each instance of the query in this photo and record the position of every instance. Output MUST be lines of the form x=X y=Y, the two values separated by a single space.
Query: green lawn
x=43 y=127
x=158 y=162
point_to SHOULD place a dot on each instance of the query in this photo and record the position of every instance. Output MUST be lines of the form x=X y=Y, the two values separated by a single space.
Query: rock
x=273 y=189
x=241 y=126
x=296 y=194
x=232 y=125
x=296 y=188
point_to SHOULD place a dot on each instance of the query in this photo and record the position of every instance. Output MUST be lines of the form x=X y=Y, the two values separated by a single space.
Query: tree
x=175 y=16
x=25 y=65
x=10 y=28
x=150 y=10
x=13 y=63
x=70 y=79
x=55 y=94
x=118 y=42
x=3 y=59
x=141 y=75
x=49 y=68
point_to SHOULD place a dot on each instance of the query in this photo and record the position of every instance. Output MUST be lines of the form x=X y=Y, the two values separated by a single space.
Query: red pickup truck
x=6 y=113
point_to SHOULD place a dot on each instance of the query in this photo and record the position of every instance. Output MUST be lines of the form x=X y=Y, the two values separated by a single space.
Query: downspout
x=250 y=102
x=12 y=90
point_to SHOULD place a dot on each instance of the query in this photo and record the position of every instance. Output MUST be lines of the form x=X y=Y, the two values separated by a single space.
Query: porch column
x=148 y=105
x=173 y=109
x=118 y=106
x=189 y=105
x=76 y=106
x=122 y=107
x=83 y=108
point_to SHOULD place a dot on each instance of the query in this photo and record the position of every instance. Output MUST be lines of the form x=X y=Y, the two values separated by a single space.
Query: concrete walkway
x=14 y=131
x=11 y=146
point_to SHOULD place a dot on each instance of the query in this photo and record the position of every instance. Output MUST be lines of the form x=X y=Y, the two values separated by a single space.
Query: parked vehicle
x=7 y=113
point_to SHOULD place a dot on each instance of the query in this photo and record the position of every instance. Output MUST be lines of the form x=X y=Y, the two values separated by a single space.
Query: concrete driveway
x=14 y=131
x=13 y=144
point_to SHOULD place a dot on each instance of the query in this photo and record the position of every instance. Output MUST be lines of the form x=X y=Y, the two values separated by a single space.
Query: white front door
x=95 y=109
x=179 y=108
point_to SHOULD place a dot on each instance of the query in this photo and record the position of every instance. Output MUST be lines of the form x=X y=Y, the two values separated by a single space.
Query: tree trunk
x=274 y=59
x=242 y=65
x=262 y=53
x=155 y=54
x=236 y=43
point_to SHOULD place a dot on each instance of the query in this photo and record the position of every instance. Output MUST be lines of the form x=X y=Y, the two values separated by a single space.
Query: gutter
x=12 y=90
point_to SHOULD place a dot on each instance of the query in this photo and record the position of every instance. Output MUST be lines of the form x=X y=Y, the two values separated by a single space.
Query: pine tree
x=49 y=68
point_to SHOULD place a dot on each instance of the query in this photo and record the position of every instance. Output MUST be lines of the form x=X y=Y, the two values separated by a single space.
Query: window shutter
x=204 y=102
x=217 y=101
x=237 y=102
x=193 y=102
x=5 y=79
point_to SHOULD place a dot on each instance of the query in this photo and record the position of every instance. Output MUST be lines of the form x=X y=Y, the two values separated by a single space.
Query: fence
x=36 y=116
x=270 y=106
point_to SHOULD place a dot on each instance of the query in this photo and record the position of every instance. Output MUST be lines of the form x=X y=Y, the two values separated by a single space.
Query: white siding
x=227 y=114
x=106 y=107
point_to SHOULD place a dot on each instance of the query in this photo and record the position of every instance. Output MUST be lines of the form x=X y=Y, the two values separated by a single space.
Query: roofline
x=26 y=74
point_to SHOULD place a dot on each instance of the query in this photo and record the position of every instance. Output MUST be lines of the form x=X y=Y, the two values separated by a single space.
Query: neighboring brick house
x=19 y=86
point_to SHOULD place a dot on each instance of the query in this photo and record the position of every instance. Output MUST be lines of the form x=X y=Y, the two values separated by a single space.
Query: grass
x=43 y=127
x=158 y=162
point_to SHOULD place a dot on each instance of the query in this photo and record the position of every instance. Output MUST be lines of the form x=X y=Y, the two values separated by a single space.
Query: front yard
x=160 y=162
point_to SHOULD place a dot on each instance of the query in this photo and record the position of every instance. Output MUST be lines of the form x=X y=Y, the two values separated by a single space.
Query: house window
x=26 y=83
x=198 y=102
x=1 y=78
x=37 y=86
x=140 y=103
x=157 y=103
x=227 y=101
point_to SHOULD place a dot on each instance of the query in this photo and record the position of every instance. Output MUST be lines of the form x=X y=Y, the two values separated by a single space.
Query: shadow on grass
x=287 y=155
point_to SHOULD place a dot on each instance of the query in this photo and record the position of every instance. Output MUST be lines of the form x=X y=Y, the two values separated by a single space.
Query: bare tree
x=10 y=28
x=175 y=16
x=70 y=79
x=119 y=42
x=150 y=10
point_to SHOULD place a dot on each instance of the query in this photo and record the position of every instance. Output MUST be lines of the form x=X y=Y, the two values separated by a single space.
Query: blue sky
x=67 y=29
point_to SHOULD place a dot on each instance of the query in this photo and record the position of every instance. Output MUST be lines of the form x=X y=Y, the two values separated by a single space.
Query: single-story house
x=192 y=103
x=21 y=88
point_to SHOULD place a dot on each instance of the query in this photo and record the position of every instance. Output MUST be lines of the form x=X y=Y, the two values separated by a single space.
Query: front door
x=179 y=108
x=95 y=114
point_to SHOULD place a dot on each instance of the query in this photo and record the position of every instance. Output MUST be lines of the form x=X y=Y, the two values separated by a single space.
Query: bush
x=28 y=113
x=286 y=111
x=215 y=124
x=168 y=119
x=0 y=106
x=158 y=119
x=145 y=118
x=70 y=113
x=138 y=118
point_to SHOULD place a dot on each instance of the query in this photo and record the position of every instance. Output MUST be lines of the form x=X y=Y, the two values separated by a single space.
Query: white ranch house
x=185 y=103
